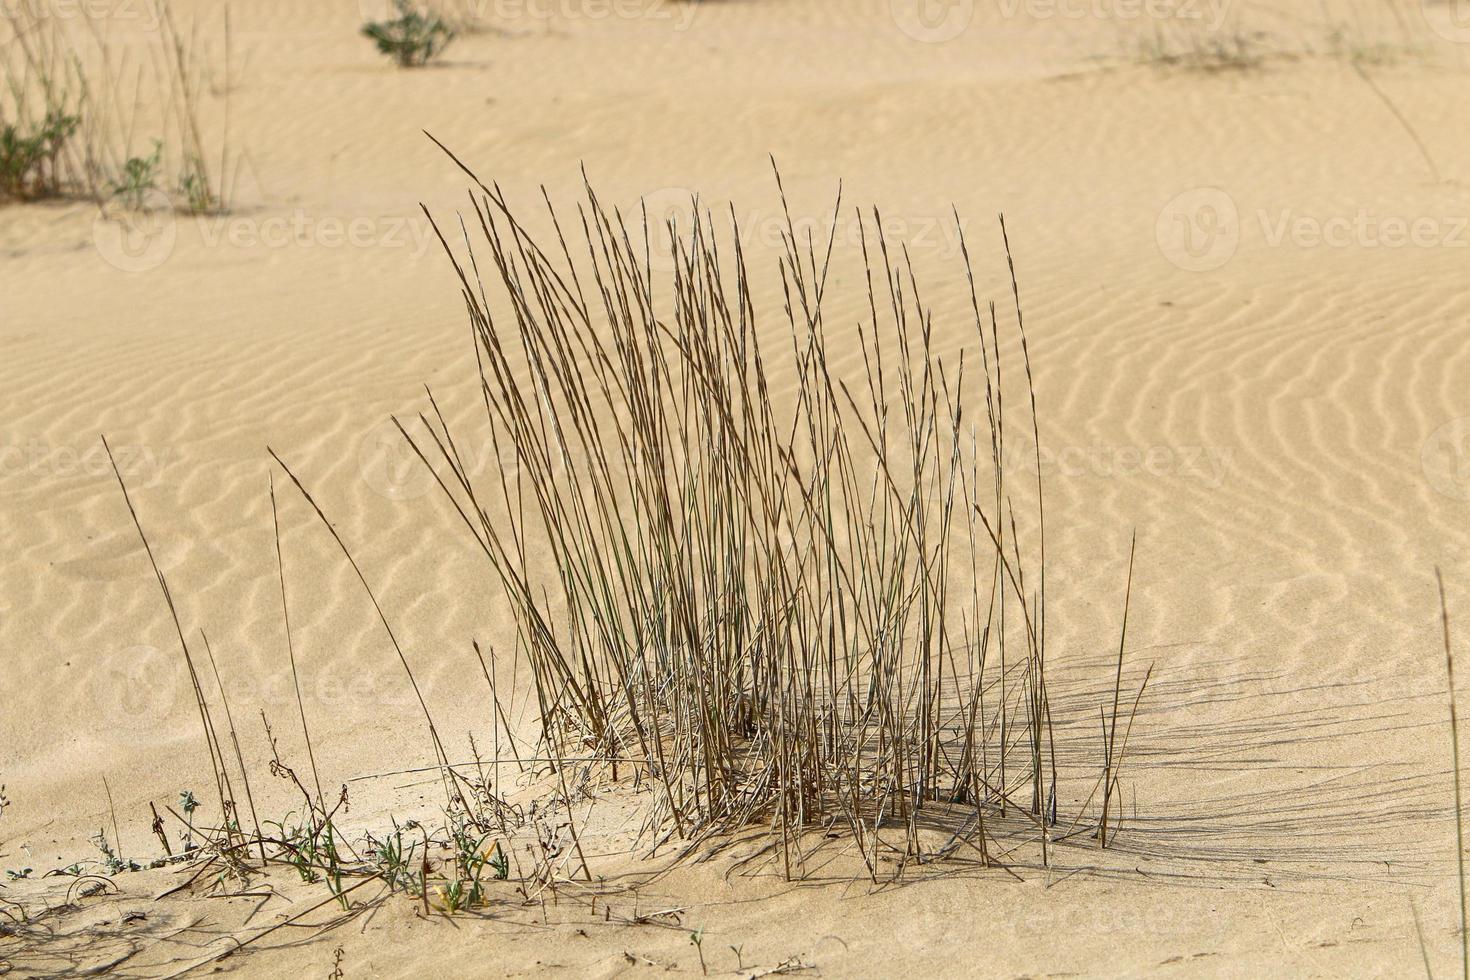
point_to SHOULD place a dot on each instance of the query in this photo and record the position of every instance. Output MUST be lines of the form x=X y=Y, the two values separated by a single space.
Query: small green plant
x=470 y=861
x=394 y=860
x=13 y=875
x=139 y=176
x=454 y=896
x=188 y=803
x=28 y=155
x=332 y=859
x=696 y=939
x=465 y=888
x=110 y=859
x=500 y=863
x=413 y=38
x=311 y=848
x=301 y=848
x=194 y=187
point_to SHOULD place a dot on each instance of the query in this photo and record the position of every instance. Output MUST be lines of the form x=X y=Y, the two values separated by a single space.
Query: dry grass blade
x=452 y=789
x=1449 y=663
x=291 y=647
x=1108 y=767
x=211 y=739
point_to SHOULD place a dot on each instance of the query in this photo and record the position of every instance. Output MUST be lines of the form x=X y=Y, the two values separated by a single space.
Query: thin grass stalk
x=1449 y=663
x=211 y=741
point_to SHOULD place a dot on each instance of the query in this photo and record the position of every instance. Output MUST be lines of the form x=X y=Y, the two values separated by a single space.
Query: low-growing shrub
x=774 y=573
x=139 y=176
x=413 y=38
x=775 y=570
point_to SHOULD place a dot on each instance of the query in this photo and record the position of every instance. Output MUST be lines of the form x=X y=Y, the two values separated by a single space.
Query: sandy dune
x=1281 y=409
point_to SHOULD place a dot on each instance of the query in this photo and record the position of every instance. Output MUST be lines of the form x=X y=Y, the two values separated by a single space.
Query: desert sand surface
x=1246 y=310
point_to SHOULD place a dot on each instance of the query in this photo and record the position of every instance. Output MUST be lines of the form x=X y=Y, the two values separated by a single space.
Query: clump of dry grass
x=781 y=595
x=1374 y=35
x=450 y=867
x=81 y=115
x=1205 y=52
x=777 y=591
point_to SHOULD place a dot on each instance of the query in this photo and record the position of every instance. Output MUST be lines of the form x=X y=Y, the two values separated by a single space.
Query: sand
x=1280 y=410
